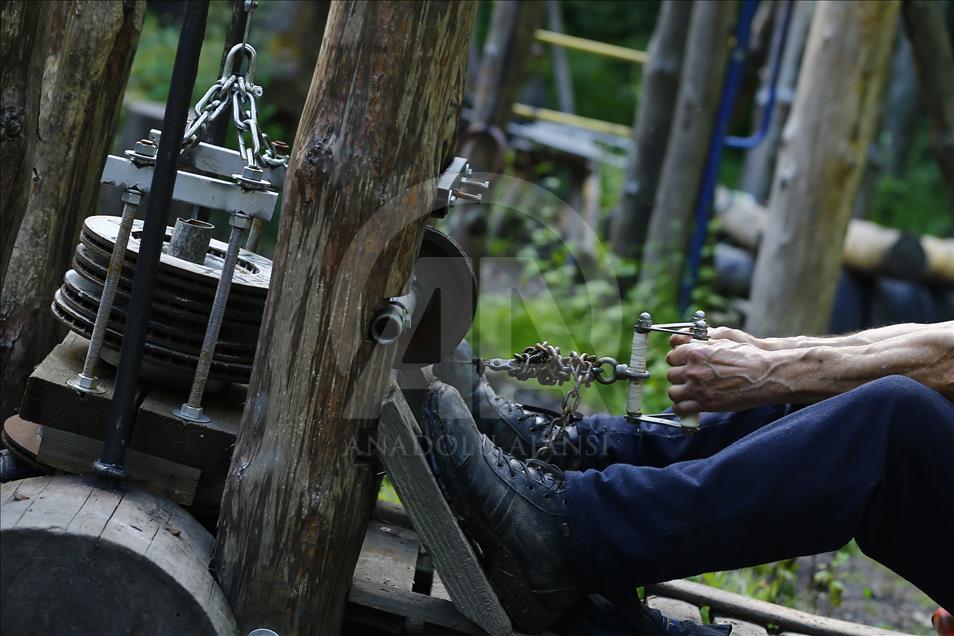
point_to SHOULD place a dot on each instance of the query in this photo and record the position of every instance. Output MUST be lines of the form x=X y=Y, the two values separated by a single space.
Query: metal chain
x=238 y=89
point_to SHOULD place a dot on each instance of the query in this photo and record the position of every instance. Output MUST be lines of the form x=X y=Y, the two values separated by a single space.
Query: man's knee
x=897 y=391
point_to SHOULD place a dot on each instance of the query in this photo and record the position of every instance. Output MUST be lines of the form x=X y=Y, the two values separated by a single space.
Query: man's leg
x=873 y=464
x=604 y=440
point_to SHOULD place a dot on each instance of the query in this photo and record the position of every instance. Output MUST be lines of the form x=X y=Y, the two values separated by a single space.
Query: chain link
x=236 y=88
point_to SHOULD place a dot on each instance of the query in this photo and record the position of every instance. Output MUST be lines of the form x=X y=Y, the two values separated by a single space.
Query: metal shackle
x=230 y=61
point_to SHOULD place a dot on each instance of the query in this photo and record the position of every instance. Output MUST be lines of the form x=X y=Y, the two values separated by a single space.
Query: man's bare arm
x=727 y=375
x=868 y=336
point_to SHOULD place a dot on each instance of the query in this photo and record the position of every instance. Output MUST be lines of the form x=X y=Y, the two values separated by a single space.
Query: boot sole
x=507 y=576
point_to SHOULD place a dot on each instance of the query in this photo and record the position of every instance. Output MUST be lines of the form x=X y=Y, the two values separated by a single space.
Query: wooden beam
x=359 y=188
x=556 y=117
x=826 y=141
x=433 y=519
x=762 y=612
x=654 y=114
x=591 y=46
x=933 y=51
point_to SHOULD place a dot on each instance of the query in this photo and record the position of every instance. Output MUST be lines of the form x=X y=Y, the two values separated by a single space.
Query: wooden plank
x=676 y=609
x=17 y=496
x=75 y=454
x=762 y=612
x=434 y=522
x=740 y=627
x=403 y=603
x=388 y=556
x=437 y=588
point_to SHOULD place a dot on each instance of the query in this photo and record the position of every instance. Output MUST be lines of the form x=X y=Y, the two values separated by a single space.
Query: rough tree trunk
x=824 y=145
x=760 y=161
x=671 y=224
x=82 y=95
x=654 y=114
x=933 y=56
x=24 y=31
x=380 y=118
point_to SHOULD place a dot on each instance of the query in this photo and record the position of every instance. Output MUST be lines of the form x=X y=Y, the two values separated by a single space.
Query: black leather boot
x=518 y=429
x=515 y=512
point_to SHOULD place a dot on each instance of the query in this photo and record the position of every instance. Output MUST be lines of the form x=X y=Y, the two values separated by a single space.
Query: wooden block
x=762 y=612
x=740 y=627
x=48 y=400
x=433 y=520
x=388 y=556
x=437 y=588
x=74 y=453
x=207 y=446
x=91 y=544
x=676 y=609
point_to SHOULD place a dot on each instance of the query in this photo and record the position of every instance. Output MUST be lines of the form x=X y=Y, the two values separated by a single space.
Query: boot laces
x=535 y=471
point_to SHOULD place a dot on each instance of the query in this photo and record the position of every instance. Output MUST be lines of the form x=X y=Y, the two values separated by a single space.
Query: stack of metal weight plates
x=182 y=302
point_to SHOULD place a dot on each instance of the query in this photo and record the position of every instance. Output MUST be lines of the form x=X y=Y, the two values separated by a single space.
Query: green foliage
x=775 y=582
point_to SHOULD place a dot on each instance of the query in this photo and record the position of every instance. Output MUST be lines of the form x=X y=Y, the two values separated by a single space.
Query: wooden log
x=83 y=88
x=868 y=247
x=740 y=627
x=762 y=612
x=760 y=161
x=561 y=66
x=359 y=187
x=24 y=32
x=81 y=557
x=933 y=52
x=654 y=115
x=825 y=143
x=674 y=210
x=675 y=609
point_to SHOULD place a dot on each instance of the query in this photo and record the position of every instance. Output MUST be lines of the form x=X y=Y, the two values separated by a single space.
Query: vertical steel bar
x=86 y=381
x=122 y=412
x=192 y=410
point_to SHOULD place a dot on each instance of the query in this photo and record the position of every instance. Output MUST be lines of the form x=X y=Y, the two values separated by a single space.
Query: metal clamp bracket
x=222 y=161
x=195 y=189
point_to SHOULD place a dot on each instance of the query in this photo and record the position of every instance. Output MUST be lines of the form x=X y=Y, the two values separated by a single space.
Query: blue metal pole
x=730 y=88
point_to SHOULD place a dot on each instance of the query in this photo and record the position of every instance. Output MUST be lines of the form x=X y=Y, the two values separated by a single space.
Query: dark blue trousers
x=875 y=464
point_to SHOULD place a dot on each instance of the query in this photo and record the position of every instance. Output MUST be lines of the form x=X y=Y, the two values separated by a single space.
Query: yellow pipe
x=558 y=117
x=591 y=46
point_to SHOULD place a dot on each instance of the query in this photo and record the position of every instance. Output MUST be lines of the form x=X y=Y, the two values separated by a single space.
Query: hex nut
x=131 y=196
x=146 y=148
x=252 y=173
x=240 y=220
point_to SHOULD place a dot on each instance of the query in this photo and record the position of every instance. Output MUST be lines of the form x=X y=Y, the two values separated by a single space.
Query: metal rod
x=122 y=412
x=192 y=409
x=86 y=381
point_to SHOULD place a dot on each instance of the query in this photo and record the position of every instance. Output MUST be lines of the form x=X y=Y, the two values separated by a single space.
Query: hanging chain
x=239 y=90
x=544 y=363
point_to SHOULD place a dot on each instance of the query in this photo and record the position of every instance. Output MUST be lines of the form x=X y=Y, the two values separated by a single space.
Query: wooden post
x=561 y=65
x=824 y=147
x=24 y=30
x=654 y=114
x=83 y=90
x=378 y=123
x=934 y=59
x=671 y=224
x=760 y=161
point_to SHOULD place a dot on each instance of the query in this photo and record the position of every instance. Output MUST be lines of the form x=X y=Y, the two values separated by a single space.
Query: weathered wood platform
x=396 y=590
x=186 y=461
